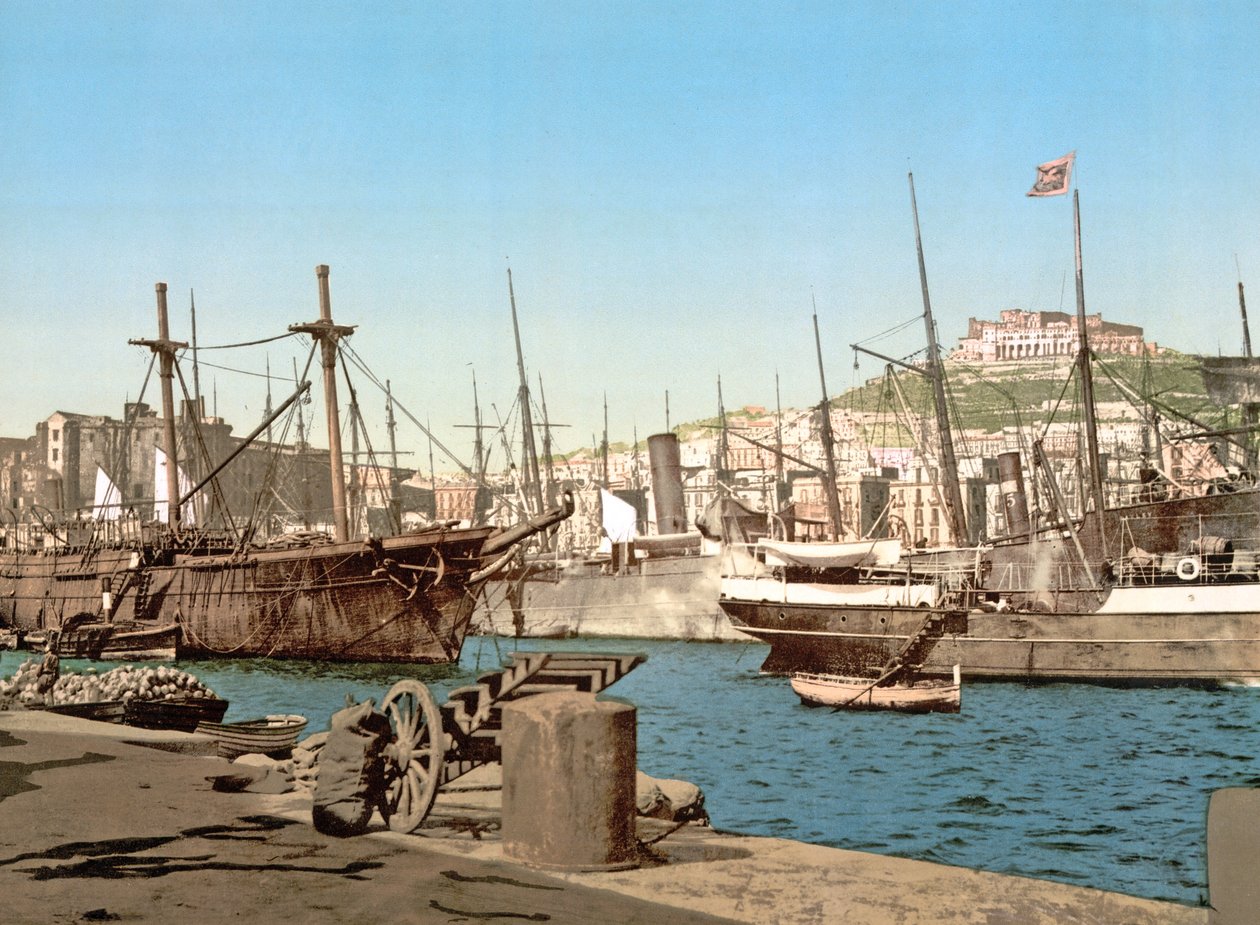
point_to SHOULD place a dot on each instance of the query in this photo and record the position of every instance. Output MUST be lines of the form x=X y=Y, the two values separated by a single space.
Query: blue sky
x=671 y=184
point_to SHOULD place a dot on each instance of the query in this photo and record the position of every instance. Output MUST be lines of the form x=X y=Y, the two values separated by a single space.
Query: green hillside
x=992 y=397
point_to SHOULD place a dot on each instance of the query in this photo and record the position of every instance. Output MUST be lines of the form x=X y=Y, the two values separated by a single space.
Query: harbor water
x=1093 y=786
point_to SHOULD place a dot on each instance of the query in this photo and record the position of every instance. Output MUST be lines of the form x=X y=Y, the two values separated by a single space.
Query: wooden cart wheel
x=417 y=753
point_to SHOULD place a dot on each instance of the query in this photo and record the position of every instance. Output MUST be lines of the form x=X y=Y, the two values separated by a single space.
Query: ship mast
x=828 y=440
x=327 y=335
x=1251 y=412
x=395 y=502
x=1083 y=360
x=954 y=511
x=165 y=348
x=529 y=461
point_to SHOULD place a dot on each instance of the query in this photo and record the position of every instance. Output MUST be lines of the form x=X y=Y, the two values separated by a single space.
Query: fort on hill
x=1021 y=335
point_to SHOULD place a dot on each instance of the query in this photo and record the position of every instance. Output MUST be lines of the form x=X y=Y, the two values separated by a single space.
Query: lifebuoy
x=1188 y=568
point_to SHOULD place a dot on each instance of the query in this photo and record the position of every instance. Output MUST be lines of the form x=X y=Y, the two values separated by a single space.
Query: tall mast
x=165 y=348
x=428 y=429
x=829 y=452
x=546 y=431
x=604 y=448
x=354 y=501
x=299 y=456
x=267 y=411
x=529 y=461
x=667 y=411
x=1085 y=364
x=1251 y=412
x=395 y=502
x=479 y=452
x=328 y=334
x=724 y=446
x=196 y=372
x=954 y=510
x=778 y=445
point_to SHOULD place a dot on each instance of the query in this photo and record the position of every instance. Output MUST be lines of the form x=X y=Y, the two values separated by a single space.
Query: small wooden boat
x=181 y=715
x=101 y=640
x=273 y=735
x=925 y=695
x=103 y=711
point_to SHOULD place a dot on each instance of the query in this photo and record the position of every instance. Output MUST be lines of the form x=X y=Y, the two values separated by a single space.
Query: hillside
x=1013 y=394
x=1004 y=395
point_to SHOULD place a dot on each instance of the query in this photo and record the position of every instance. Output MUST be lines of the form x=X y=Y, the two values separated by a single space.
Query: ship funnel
x=1014 y=501
x=667 y=488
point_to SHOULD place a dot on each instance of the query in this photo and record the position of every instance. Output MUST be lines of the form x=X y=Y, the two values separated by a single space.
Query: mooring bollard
x=1233 y=846
x=569 y=782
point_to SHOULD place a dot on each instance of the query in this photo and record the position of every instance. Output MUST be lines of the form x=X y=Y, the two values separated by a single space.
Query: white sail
x=620 y=520
x=161 y=503
x=107 y=504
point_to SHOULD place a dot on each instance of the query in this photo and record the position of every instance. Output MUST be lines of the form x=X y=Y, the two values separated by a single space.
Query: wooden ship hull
x=404 y=600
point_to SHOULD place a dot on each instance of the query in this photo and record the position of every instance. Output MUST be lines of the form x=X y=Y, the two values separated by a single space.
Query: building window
x=56 y=436
x=54 y=458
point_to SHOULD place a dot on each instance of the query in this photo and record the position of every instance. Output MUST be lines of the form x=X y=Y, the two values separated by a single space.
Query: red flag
x=1054 y=178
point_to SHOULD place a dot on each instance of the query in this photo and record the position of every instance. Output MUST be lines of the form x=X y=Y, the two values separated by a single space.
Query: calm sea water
x=1094 y=786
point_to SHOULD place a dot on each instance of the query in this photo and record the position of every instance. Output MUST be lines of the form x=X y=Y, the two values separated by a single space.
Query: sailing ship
x=1162 y=590
x=397 y=598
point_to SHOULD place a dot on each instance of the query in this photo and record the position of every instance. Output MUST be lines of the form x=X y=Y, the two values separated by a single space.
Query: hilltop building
x=1021 y=335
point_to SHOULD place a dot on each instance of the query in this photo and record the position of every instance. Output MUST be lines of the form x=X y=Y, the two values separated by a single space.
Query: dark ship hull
x=400 y=599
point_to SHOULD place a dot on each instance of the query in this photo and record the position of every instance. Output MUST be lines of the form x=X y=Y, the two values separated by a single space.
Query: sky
x=675 y=188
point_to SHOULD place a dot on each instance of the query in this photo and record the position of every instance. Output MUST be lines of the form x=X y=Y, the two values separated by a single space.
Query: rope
x=250 y=343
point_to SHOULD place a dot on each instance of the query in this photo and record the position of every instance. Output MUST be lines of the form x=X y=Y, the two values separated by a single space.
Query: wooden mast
x=165 y=348
x=829 y=451
x=723 y=447
x=1085 y=365
x=952 y=492
x=328 y=334
x=1251 y=412
x=549 y=465
x=529 y=453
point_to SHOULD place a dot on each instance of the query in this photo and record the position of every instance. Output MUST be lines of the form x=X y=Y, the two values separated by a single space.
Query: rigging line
x=257 y=511
x=1126 y=387
x=346 y=351
x=122 y=451
x=219 y=498
x=356 y=420
x=1045 y=431
x=250 y=343
x=917 y=319
x=232 y=369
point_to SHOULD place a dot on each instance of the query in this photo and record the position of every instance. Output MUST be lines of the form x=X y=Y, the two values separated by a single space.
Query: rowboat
x=180 y=715
x=928 y=695
x=273 y=735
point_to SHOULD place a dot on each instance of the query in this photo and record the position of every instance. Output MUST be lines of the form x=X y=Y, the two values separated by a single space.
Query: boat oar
x=895 y=669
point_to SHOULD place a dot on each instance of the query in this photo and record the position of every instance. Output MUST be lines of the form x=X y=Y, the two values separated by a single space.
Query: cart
x=433 y=746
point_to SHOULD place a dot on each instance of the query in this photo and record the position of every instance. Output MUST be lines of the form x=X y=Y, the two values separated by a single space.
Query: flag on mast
x=1054 y=177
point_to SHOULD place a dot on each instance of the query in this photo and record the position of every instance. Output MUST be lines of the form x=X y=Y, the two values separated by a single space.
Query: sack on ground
x=351 y=778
